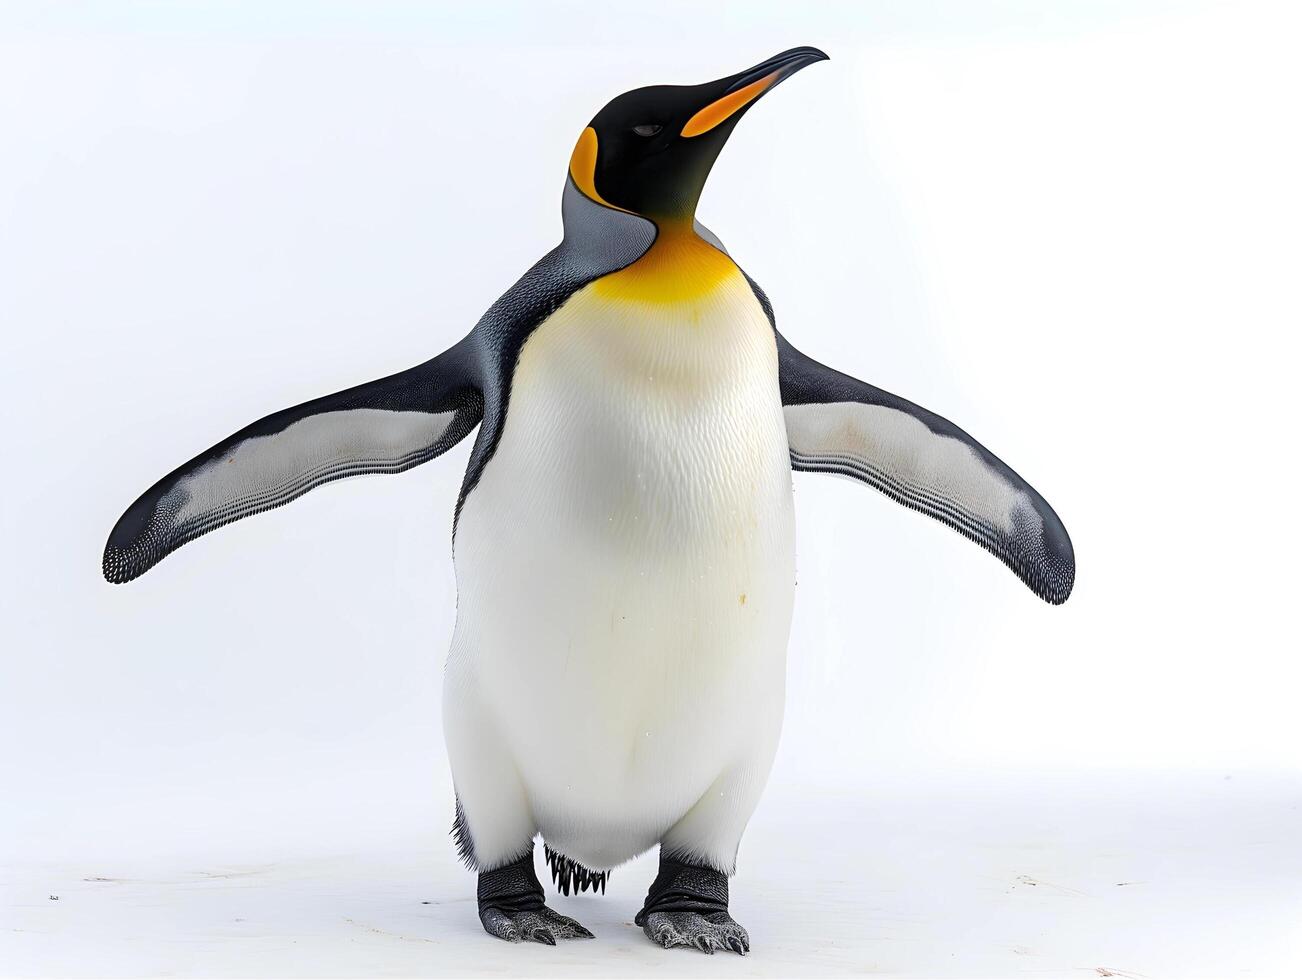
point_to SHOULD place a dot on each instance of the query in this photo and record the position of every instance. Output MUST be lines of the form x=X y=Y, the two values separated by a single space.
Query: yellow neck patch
x=680 y=266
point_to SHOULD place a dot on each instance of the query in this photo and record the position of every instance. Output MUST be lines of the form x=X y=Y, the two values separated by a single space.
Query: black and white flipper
x=385 y=426
x=838 y=424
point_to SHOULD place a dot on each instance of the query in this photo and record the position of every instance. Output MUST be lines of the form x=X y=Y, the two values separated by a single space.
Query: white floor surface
x=999 y=876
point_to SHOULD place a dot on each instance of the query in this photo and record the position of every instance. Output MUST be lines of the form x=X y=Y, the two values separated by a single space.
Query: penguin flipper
x=384 y=426
x=838 y=424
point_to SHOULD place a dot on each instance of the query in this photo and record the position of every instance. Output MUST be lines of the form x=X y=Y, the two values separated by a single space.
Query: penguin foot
x=687 y=905
x=707 y=933
x=511 y=906
x=541 y=926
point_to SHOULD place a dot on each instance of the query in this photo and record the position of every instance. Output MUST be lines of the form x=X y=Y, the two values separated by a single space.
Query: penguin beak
x=737 y=93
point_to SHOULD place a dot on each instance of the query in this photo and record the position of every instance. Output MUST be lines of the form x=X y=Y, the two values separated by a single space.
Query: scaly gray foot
x=687 y=905
x=707 y=933
x=511 y=906
x=542 y=925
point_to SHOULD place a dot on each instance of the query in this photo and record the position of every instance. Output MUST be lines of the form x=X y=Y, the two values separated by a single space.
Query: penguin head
x=650 y=150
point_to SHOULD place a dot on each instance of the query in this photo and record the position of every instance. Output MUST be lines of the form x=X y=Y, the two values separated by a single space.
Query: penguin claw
x=541 y=925
x=694 y=931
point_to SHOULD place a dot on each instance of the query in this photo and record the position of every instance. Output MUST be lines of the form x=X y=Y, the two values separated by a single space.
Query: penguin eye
x=649 y=129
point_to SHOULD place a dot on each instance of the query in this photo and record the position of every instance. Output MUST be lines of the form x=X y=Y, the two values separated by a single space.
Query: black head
x=649 y=151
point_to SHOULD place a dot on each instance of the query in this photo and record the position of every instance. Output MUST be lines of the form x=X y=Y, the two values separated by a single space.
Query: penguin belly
x=626 y=571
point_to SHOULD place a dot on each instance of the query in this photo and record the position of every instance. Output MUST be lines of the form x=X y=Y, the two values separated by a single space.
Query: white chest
x=656 y=425
x=629 y=550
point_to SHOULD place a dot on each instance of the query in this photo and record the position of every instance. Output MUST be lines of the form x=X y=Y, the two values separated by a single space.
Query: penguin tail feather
x=461 y=837
x=569 y=875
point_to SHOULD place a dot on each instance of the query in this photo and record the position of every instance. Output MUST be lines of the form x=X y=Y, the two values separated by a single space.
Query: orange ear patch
x=583 y=167
x=719 y=110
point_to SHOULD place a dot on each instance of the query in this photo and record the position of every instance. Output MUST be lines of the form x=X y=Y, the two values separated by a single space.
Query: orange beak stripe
x=583 y=167
x=717 y=112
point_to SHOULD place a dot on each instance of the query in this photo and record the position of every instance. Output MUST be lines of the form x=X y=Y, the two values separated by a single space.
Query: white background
x=1072 y=228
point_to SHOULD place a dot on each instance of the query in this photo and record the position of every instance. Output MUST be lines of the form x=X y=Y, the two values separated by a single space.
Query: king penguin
x=624 y=536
